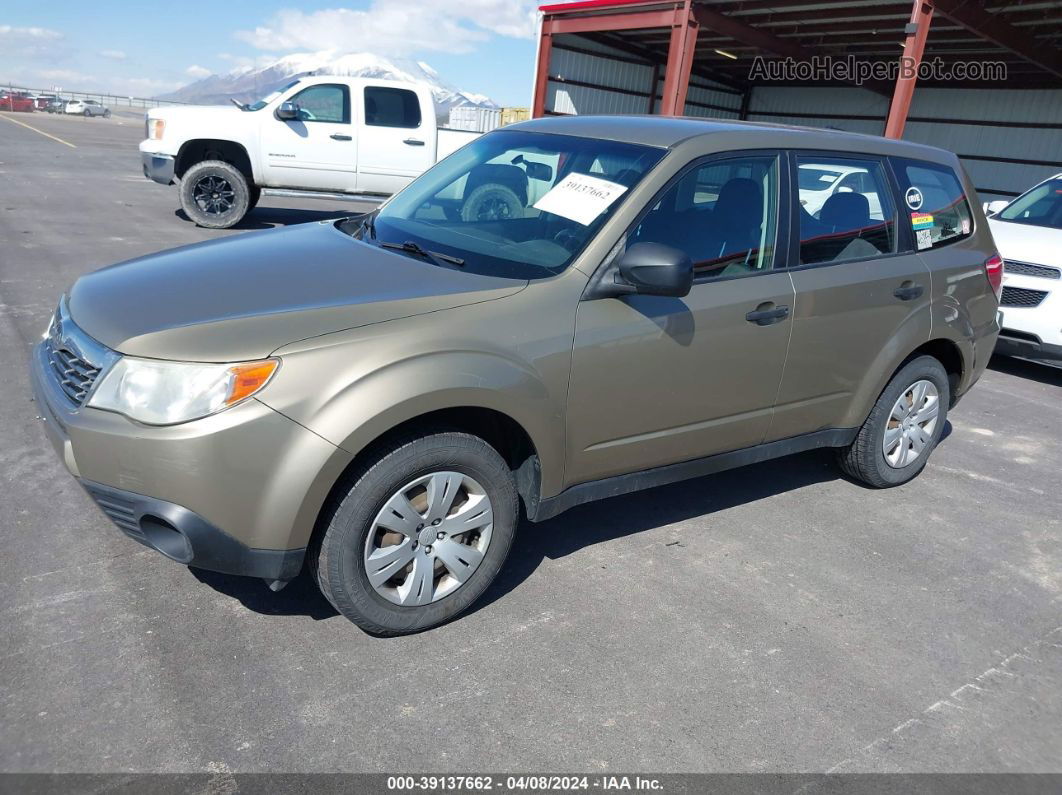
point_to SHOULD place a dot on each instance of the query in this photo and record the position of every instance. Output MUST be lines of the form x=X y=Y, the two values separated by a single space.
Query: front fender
x=352 y=412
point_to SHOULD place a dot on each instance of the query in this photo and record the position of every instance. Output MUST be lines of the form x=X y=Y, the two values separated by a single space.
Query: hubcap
x=214 y=195
x=911 y=424
x=429 y=538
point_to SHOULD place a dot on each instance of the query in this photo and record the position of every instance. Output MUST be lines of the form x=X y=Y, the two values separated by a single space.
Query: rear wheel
x=418 y=534
x=903 y=428
x=87 y=114
x=215 y=194
x=107 y=113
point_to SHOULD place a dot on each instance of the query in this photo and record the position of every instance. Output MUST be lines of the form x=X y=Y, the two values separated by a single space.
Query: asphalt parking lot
x=772 y=618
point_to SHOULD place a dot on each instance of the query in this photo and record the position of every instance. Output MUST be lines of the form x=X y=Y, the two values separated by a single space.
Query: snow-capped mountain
x=249 y=83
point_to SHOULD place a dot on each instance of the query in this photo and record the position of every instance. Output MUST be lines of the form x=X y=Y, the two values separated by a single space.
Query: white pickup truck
x=317 y=135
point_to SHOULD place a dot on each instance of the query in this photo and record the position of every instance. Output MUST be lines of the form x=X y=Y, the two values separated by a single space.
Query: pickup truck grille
x=1028 y=269
x=1019 y=296
x=74 y=374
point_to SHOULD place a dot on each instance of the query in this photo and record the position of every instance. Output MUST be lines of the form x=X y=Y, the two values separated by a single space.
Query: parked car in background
x=42 y=101
x=321 y=134
x=16 y=101
x=819 y=181
x=57 y=105
x=87 y=107
x=1028 y=231
x=563 y=310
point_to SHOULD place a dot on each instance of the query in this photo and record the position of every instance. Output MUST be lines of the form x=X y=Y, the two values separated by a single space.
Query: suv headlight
x=167 y=393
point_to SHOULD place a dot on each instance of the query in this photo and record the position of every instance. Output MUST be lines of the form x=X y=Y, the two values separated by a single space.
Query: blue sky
x=483 y=46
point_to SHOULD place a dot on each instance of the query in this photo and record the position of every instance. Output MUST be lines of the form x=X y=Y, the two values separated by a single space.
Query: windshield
x=269 y=97
x=812 y=178
x=1042 y=206
x=513 y=204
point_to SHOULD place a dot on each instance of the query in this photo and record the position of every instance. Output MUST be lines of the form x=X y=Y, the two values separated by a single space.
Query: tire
x=350 y=530
x=107 y=113
x=254 y=193
x=491 y=202
x=87 y=114
x=215 y=194
x=911 y=440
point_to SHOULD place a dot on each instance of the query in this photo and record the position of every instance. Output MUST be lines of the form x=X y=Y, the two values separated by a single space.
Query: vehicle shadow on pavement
x=617 y=517
x=272 y=217
x=1023 y=368
x=299 y=598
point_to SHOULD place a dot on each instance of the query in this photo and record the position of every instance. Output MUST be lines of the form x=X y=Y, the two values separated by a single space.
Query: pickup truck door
x=396 y=143
x=317 y=150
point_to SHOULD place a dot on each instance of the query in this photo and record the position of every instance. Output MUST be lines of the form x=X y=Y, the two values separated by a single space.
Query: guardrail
x=109 y=100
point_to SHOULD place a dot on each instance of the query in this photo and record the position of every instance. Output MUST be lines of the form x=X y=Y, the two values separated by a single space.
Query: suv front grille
x=74 y=374
x=1028 y=269
x=1019 y=296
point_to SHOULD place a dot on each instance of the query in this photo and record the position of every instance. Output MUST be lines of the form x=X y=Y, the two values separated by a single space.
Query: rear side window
x=934 y=202
x=845 y=209
x=391 y=107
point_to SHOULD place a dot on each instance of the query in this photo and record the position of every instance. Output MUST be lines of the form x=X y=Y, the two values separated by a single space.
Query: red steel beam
x=545 y=52
x=974 y=17
x=913 y=48
x=679 y=61
x=599 y=23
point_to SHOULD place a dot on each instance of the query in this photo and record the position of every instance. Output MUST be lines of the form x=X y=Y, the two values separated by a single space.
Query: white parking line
x=42 y=132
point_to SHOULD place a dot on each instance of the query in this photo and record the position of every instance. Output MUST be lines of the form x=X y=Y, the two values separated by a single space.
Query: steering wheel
x=567 y=238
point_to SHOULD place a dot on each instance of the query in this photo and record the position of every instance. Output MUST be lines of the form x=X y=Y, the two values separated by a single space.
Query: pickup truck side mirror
x=288 y=111
x=991 y=208
x=656 y=269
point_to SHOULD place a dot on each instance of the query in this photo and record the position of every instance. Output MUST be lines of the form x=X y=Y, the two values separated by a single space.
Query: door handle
x=413 y=142
x=338 y=137
x=908 y=291
x=767 y=313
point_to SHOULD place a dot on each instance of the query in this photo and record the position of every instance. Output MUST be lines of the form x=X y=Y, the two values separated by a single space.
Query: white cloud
x=114 y=55
x=12 y=34
x=395 y=27
x=197 y=71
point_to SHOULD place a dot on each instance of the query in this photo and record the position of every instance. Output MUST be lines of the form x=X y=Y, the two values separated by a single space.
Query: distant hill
x=248 y=83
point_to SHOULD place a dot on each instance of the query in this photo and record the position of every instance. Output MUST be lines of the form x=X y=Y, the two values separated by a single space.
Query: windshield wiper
x=413 y=248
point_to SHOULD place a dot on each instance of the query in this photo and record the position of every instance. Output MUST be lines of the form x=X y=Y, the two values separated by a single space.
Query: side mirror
x=991 y=208
x=288 y=111
x=655 y=269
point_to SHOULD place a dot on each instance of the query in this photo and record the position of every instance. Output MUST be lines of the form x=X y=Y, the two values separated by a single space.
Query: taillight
x=994 y=272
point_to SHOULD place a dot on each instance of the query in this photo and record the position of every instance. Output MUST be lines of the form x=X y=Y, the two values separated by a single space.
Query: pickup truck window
x=513 y=204
x=258 y=105
x=327 y=102
x=391 y=107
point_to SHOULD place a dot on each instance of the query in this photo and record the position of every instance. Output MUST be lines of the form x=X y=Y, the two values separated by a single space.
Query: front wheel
x=107 y=113
x=215 y=194
x=418 y=534
x=903 y=428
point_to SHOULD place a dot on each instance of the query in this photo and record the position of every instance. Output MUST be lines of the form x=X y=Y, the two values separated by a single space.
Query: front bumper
x=236 y=492
x=1027 y=346
x=158 y=168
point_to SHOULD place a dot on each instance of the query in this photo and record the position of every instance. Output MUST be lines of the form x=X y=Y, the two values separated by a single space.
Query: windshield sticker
x=580 y=198
x=921 y=220
x=913 y=197
x=924 y=238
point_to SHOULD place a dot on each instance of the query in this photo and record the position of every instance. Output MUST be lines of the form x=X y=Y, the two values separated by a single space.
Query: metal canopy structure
x=716 y=42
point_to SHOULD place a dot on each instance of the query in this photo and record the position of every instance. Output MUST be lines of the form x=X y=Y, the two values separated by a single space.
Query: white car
x=87 y=107
x=1028 y=232
x=819 y=181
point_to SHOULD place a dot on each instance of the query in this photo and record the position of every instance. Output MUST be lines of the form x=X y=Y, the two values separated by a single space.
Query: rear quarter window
x=935 y=203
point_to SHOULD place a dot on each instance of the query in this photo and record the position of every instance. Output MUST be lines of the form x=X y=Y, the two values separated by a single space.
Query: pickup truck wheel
x=254 y=193
x=903 y=428
x=415 y=536
x=215 y=194
x=491 y=202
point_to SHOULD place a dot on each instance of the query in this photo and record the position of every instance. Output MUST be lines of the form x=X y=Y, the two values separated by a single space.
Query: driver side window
x=324 y=103
x=722 y=214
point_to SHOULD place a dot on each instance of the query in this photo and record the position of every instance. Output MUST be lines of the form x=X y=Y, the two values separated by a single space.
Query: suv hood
x=242 y=298
x=1039 y=245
